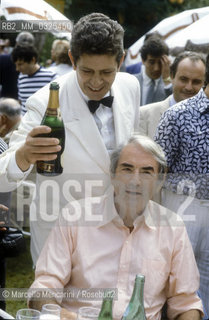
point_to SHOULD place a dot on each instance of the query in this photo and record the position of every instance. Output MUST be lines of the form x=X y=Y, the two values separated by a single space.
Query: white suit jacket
x=150 y=115
x=85 y=158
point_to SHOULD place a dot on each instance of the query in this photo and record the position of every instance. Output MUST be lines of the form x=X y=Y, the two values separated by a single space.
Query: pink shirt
x=109 y=256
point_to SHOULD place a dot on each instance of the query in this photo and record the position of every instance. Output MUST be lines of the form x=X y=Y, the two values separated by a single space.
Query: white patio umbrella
x=168 y=28
x=196 y=33
x=38 y=13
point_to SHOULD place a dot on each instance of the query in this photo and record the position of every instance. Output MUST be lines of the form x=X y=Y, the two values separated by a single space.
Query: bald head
x=10 y=107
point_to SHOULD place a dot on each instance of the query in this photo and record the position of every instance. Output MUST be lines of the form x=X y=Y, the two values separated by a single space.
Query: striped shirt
x=29 y=84
x=3 y=146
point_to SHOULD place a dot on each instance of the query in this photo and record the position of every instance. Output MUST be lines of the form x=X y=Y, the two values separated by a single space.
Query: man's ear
x=3 y=119
x=71 y=59
x=3 y=125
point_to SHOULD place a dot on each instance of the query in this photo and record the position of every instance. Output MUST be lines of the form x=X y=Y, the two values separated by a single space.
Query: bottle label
x=47 y=167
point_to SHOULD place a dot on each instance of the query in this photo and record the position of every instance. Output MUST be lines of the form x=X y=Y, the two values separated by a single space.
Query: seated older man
x=133 y=235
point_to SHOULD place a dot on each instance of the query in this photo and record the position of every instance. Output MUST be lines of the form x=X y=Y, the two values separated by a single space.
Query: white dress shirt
x=105 y=123
x=146 y=84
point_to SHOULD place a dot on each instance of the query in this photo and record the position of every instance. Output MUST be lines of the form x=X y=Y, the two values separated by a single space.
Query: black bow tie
x=94 y=104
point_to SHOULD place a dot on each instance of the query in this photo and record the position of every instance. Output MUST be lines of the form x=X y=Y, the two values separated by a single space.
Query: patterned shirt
x=28 y=85
x=3 y=146
x=183 y=133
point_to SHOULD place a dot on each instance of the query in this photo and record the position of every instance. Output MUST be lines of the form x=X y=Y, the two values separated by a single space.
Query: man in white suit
x=96 y=54
x=187 y=75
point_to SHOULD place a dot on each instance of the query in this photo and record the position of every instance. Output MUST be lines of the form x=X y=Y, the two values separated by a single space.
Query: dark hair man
x=8 y=74
x=154 y=76
x=183 y=134
x=136 y=67
x=32 y=76
x=92 y=128
x=187 y=76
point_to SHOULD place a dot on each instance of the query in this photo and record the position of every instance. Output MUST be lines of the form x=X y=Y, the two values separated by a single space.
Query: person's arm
x=182 y=300
x=190 y=315
x=51 y=278
x=167 y=135
x=24 y=147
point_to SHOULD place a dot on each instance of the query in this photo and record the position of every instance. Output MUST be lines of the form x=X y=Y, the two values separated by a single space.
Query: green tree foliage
x=136 y=16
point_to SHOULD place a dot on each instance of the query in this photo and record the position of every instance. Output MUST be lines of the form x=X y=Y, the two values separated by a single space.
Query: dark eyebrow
x=125 y=164
x=148 y=168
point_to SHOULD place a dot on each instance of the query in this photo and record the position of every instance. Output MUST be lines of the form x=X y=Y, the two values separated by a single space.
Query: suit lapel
x=82 y=125
x=165 y=106
x=122 y=116
x=140 y=79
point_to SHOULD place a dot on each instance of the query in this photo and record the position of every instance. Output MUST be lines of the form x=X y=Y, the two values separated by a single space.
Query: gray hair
x=148 y=145
x=10 y=107
x=25 y=39
x=60 y=50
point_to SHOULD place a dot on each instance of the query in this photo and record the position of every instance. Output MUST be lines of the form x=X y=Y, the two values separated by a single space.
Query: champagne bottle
x=53 y=120
x=135 y=309
x=106 y=309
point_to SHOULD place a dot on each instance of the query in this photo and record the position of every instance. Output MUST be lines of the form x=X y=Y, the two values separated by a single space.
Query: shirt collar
x=144 y=218
x=204 y=101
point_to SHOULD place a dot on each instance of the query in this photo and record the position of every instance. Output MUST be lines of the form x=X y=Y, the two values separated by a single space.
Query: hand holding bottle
x=37 y=148
x=44 y=144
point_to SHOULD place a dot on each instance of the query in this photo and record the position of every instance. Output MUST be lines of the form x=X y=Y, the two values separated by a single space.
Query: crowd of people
x=133 y=197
